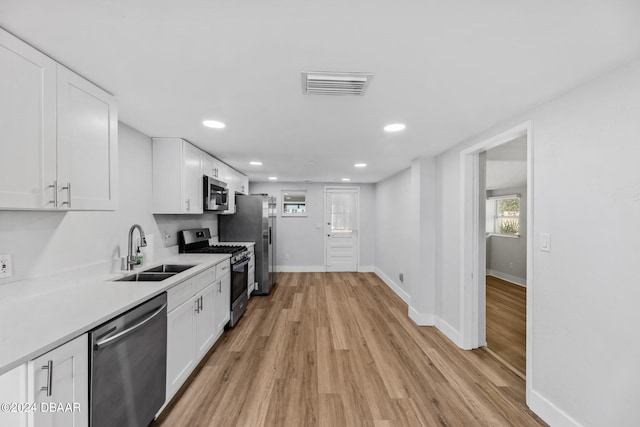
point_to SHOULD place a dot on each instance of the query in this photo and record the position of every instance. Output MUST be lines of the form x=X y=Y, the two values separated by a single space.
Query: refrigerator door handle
x=269 y=235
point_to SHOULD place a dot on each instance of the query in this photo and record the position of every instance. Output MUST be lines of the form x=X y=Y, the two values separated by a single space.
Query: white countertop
x=41 y=314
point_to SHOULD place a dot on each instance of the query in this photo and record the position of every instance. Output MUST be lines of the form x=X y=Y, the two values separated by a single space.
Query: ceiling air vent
x=330 y=83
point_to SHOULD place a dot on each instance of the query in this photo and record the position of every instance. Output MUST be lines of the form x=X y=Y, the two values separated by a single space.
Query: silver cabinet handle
x=201 y=303
x=55 y=193
x=219 y=286
x=68 y=188
x=127 y=331
x=188 y=204
x=49 y=387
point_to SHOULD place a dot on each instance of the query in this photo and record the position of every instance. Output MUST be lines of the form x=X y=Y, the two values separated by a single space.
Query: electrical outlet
x=401 y=277
x=5 y=266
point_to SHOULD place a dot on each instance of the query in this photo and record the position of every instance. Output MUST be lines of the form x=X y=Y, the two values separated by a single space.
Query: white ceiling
x=447 y=69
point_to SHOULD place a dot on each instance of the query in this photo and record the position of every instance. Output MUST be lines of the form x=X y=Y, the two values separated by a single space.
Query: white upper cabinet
x=218 y=169
x=231 y=178
x=243 y=184
x=28 y=130
x=192 y=179
x=177 y=177
x=236 y=183
x=207 y=165
x=87 y=144
x=58 y=135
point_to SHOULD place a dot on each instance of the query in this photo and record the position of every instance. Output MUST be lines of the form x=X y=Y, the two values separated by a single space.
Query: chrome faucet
x=132 y=261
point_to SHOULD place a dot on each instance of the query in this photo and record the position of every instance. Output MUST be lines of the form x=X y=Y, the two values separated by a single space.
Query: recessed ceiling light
x=394 y=127
x=360 y=165
x=255 y=163
x=346 y=179
x=273 y=178
x=213 y=124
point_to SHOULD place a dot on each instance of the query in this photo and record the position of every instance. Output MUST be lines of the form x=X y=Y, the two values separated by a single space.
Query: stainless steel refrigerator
x=254 y=221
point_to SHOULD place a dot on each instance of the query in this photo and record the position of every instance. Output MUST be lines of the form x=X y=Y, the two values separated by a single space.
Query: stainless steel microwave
x=215 y=195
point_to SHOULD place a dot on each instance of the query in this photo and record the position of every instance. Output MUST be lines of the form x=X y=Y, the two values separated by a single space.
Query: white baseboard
x=316 y=269
x=422 y=319
x=300 y=268
x=449 y=331
x=404 y=296
x=550 y=413
x=508 y=277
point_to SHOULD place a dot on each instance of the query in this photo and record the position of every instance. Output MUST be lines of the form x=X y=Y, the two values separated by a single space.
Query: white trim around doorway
x=470 y=295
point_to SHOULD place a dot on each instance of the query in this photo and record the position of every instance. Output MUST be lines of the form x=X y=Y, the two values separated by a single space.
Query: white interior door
x=341 y=219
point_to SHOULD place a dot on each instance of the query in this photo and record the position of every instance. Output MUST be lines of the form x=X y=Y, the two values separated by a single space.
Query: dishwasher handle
x=127 y=331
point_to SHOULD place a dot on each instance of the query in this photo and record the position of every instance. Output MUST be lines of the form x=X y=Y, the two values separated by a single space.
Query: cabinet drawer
x=177 y=295
x=222 y=269
x=204 y=279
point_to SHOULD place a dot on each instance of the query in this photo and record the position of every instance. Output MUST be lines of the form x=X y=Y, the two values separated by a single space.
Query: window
x=503 y=215
x=294 y=203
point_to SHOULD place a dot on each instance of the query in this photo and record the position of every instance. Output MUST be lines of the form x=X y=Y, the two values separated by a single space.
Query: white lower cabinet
x=13 y=392
x=223 y=301
x=180 y=342
x=194 y=322
x=58 y=386
x=205 y=321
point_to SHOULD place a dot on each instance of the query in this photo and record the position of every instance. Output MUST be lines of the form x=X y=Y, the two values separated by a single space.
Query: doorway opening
x=342 y=237
x=505 y=213
x=497 y=242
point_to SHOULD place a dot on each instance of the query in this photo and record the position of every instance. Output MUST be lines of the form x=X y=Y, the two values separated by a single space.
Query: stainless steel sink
x=156 y=274
x=169 y=268
x=146 y=277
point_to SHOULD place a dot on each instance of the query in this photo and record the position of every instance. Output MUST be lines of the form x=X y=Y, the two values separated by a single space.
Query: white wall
x=507 y=256
x=393 y=231
x=43 y=243
x=302 y=238
x=586 y=193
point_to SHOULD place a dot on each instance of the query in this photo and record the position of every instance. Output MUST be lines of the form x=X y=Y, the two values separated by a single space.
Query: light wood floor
x=337 y=349
x=507 y=322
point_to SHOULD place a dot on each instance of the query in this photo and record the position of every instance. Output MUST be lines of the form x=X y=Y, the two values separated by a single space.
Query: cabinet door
x=180 y=346
x=205 y=323
x=223 y=302
x=28 y=126
x=231 y=178
x=87 y=144
x=218 y=169
x=192 y=179
x=208 y=166
x=251 y=280
x=59 y=385
x=243 y=186
x=13 y=389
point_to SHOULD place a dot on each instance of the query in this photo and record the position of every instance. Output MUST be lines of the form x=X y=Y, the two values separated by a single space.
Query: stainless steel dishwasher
x=128 y=366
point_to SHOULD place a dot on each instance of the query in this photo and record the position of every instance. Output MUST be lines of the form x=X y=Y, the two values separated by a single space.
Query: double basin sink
x=156 y=274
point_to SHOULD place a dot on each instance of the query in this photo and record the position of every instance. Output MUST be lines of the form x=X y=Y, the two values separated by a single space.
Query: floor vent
x=331 y=83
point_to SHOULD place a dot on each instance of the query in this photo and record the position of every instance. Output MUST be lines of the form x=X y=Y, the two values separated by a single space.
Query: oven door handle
x=240 y=266
x=130 y=330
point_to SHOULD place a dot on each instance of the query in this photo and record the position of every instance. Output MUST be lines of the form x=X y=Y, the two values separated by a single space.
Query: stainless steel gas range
x=196 y=241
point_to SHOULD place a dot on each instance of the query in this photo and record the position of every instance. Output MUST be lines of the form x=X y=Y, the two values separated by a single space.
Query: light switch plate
x=545 y=242
x=5 y=266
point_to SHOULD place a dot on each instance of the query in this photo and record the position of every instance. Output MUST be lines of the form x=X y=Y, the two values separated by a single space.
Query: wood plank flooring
x=507 y=322
x=337 y=349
